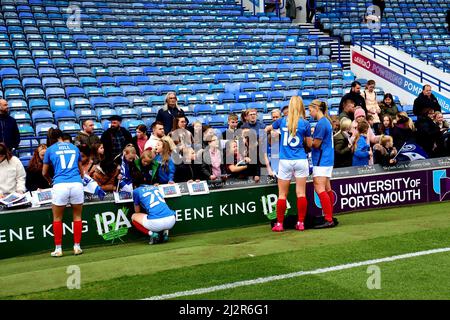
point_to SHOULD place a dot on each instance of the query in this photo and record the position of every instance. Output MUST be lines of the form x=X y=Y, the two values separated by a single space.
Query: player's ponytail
x=296 y=111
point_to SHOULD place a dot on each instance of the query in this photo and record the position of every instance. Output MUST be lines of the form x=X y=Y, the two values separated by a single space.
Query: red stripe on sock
x=302 y=205
x=57 y=232
x=326 y=206
x=77 y=229
x=281 y=210
x=140 y=227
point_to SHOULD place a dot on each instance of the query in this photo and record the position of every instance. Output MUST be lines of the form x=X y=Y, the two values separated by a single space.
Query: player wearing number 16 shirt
x=295 y=136
x=67 y=187
x=158 y=219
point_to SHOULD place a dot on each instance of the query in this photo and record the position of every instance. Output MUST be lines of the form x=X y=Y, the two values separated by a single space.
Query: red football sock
x=302 y=205
x=281 y=210
x=331 y=195
x=77 y=229
x=326 y=206
x=57 y=232
x=140 y=227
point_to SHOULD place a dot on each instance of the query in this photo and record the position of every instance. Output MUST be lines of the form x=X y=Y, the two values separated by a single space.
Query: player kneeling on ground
x=158 y=219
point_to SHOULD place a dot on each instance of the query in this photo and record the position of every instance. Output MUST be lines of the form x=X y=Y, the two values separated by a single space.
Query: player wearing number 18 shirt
x=158 y=219
x=295 y=135
x=67 y=187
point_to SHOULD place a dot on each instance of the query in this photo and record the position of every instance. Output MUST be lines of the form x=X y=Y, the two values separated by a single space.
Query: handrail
x=406 y=67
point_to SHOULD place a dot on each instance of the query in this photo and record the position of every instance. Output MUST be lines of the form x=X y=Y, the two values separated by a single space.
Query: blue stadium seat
x=53 y=93
x=42 y=116
x=59 y=104
x=85 y=114
x=65 y=115
x=42 y=128
x=21 y=116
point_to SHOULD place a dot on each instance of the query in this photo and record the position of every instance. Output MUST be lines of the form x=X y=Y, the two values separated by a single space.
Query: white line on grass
x=293 y=275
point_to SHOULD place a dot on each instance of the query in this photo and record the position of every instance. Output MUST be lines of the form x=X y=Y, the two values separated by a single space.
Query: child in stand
x=385 y=152
x=361 y=149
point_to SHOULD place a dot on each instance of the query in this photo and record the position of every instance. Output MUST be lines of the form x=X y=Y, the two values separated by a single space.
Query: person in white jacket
x=12 y=173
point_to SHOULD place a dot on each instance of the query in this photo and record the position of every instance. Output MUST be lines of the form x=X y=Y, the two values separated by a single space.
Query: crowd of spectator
x=172 y=150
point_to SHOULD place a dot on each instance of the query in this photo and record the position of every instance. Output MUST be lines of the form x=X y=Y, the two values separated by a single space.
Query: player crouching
x=158 y=219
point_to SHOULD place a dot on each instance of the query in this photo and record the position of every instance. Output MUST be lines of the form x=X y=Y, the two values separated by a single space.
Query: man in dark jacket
x=9 y=132
x=355 y=95
x=428 y=134
x=115 y=138
x=425 y=100
x=169 y=111
x=87 y=135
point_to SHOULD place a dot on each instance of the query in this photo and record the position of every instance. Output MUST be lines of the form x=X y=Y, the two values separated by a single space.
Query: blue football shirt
x=323 y=156
x=291 y=148
x=151 y=199
x=64 y=158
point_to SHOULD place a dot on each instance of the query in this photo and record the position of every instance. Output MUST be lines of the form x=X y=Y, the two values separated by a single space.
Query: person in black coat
x=428 y=134
x=343 y=155
x=34 y=179
x=424 y=101
x=169 y=111
x=9 y=132
x=355 y=96
x=403 y=130
x=115 y=138
x=188 y=170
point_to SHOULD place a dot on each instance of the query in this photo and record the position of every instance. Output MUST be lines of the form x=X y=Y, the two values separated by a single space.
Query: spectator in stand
x=439 y=120
x=425 y=101
x=129 y=173
x=386 y=126
x=230 y=132
x=248 y=149
x=179 y=134
x=285 y=111
x=212 y=165
x=169 y=111
x=348 y=110
x=12 y=173
x=9 y=132
x=115 y=138
x=87 y=135
x=197 y=135
x=384 y=152
x=373 y=109
x=361 y=149
x=34 y=178
x=140 y=139
x=106 y=175
x=166 y=169
x=253 y=122
x=244 y=118
x=428 y=134
x=157 y=134
x=359 y=117
x=343 y=154
x=97 y=153
x=190 y=169
x=148 y=167
x=272 y=155
x=335 y=123
x=381 y=4
x=86 y=162
x=310 y=10
x=236 y=166
x=403 y=130
x=388 y=106
x=355 y=95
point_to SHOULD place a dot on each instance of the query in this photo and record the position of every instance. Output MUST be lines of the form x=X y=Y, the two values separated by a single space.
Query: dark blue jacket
x=9 y=132
x=167 y=116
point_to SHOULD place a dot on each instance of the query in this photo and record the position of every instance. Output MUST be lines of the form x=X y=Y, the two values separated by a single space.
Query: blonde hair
x=322 y=107
x=129 y=148
x=296 y=111
x=385 y=139
x=404 y=115
x=363 y=127
x=345 y=124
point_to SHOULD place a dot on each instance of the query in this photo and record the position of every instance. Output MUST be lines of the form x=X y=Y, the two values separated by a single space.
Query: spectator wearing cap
x=115 y=138
x=355 y=95
x=169 y=111
x=426 y=100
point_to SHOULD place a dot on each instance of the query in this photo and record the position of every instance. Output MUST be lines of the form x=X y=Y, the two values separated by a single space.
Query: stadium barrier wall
x=403 y=76
x=107 y=223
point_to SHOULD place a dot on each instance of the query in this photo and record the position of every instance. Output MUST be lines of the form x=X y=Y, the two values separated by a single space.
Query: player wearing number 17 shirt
x=67 y=187
x=295 y=136
x=158 y=218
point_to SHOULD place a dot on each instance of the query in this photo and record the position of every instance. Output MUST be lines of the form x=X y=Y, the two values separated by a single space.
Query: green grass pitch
x=138 y=270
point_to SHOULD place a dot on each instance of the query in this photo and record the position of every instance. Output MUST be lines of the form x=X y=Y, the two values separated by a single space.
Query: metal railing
x=441 y=85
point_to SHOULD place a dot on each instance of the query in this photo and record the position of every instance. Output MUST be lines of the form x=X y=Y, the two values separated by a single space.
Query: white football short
x=322 y=172
x=293 y=168
x=67 y=193
x=160 y=224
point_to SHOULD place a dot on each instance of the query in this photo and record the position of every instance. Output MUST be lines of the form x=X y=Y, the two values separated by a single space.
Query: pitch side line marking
x=294 y=274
